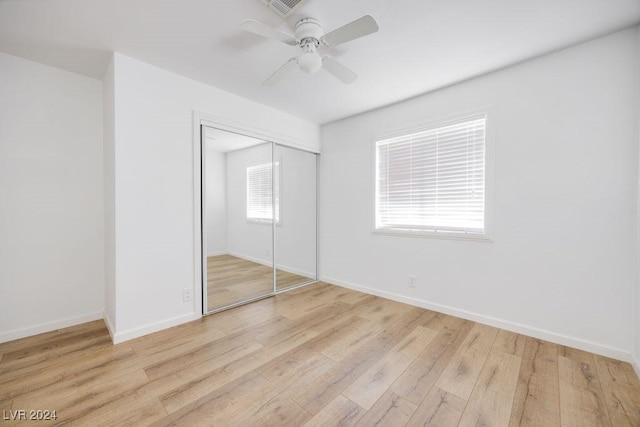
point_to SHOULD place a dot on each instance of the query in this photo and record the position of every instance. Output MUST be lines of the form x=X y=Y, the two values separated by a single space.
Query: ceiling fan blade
x=358 y=28
x=281 y=72
x=341 y=72
x=266 y=31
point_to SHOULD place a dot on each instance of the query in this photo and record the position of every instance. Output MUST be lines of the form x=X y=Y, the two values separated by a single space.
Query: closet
x=259 y=221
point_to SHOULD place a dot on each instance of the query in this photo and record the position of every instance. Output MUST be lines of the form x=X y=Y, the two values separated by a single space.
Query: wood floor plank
x=438 y=408
x=321 y=320
x=314 y=397
x=199 y=330
x=276 y=412
x=53 y=348
x=164 y=353
x=286 y=279
x=340 y=329
x=582 y=403
x=462 y=372
x=211 y=355
x=311 y=294
x=339 y=412
x=389 y=410
x=231 y=280
x=131 y=413
x=350 y=297
x=369 y=387
x=291 y=304
x=40 y=339
x=126 y=407
x=57 y=375
x=417 y=380
x=67 y=389
x=342 y=347
x=276 y=405
x=71 y=347
x=194 y=381
x=492 y=397
x=509 y=342
x=208 y=409
x=265 y=329
x=96 y=394
x=379 y=309
x=6 y=405
x=283 y=365
x=536 y=401
x=236 y=319
x=296 y=308
x=621 y=391
x=199 y=384
x=293 y=359
x=437 y=321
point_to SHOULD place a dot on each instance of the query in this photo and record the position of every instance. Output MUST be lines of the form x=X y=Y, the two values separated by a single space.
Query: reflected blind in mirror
x=259 y=192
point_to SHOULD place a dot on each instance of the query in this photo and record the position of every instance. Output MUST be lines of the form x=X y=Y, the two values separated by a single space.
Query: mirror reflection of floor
x=231 y=280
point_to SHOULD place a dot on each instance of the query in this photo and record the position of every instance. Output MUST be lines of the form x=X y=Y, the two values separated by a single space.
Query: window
x=433 y=181
x=259 y=190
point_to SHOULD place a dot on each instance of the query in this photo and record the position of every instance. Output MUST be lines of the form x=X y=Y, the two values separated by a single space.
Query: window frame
x=487 y=236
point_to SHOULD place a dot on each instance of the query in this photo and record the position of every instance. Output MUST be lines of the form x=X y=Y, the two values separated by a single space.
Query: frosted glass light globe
x=310 y=62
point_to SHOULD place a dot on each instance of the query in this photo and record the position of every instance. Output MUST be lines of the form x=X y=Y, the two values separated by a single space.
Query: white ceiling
x=422 y=45
x=224 y=142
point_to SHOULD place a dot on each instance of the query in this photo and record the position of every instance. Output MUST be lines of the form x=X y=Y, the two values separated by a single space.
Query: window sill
x=434 y=235
x=257 y=221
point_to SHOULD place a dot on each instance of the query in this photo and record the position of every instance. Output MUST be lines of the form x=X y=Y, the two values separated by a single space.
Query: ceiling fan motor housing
x=308 y=28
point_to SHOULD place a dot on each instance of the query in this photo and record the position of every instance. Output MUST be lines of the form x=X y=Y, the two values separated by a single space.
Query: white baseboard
x=296 y=271
x=48 y=327
x=110 y=326
x=553 y=337
x=217 y=253
x=636 y=365
x=123 y=336
x=250 y=258
x=268 y=264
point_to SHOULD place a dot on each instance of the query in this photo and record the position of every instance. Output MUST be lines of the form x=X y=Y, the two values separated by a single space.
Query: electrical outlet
x=412 y=281
x=187 y=295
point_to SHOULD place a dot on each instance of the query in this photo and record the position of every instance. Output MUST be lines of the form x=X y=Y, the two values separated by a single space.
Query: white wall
x=636 y=307
x=154 y=187
x=51 y=219
x=216 y=199
x=108 y=159
x=561 y=265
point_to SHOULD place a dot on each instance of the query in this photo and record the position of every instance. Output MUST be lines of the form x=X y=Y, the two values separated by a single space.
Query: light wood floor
x=318 y=355
x=231 y=279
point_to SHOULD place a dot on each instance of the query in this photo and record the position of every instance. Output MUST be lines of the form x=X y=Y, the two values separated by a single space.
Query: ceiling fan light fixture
x=309 y=36
x=310 y=61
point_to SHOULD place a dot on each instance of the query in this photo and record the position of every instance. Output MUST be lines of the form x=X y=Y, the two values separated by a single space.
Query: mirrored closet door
x=237 y=218
x=258 y=210
x=295 y=230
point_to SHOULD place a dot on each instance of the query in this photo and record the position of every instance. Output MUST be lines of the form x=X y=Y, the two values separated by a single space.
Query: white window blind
x=433 y=180
x=259 y=192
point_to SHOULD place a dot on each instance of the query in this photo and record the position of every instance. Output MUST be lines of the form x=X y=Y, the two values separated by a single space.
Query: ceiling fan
x=309 y=36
